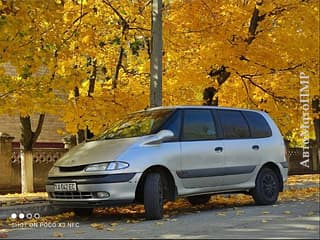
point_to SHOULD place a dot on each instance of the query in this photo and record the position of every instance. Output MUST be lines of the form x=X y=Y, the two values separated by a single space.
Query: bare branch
x=124 y=22
x=250 y=77
x=272 y=70
x=209 y=9
x=248 y=94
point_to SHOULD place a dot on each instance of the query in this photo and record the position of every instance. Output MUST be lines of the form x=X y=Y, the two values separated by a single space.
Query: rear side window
x=233 y=124
x=198 y=125
x=258 y=125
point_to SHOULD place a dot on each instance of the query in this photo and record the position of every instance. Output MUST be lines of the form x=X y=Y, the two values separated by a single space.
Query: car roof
x=198 y=107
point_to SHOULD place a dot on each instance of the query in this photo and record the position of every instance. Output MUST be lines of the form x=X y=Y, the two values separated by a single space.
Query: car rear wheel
x=83 y=212
x=197 y=200
x=153 y=196
x=267 y=187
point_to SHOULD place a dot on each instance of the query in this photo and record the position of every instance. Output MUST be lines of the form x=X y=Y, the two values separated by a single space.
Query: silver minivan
x=159 y=154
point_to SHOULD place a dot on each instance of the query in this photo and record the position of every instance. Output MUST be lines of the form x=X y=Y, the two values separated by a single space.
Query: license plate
x=65 y=187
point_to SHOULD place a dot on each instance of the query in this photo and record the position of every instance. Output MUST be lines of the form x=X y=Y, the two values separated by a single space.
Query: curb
x=33 y=210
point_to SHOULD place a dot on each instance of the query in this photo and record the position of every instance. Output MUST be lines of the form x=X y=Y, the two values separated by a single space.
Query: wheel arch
x=170 y=189
x=276 y=169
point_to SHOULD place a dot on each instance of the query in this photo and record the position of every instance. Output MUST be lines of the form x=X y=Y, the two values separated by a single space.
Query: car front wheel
x=267 y=187
x=153 y=196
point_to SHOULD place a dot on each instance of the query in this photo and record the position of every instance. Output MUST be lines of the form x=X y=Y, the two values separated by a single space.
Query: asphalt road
x=291 y=220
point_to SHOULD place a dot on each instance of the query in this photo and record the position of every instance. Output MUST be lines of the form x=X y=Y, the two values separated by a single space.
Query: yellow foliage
x=264 y=72
x=50 y=47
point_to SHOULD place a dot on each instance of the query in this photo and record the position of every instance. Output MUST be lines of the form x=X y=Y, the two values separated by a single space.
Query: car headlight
x=109 y=166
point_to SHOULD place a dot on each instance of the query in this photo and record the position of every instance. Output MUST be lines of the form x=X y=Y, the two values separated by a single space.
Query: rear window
x=234 y=125
x=259 y=127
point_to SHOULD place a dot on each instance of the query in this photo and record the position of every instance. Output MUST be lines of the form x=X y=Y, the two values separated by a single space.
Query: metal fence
x=40 y=155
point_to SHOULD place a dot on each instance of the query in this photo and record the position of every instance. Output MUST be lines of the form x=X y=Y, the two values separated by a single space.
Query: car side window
x=258 y=125
x=174 y=124
x=233 y=124
x=198 y=125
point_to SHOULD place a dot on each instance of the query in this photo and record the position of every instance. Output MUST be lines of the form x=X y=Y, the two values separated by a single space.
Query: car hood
x=95 y=152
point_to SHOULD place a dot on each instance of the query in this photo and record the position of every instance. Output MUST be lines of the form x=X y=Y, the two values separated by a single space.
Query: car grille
x=72 y=195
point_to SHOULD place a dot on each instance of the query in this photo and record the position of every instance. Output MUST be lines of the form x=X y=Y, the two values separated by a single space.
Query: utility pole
x=156 y=55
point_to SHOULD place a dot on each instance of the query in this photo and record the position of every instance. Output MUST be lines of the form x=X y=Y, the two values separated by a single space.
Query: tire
x=197 y=200
x=83 y=212
x=267 y=187
x=153 y=196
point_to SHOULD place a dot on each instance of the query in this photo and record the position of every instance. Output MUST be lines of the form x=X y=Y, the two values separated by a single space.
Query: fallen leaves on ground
x=306 y=178
x=223 y=214
x=57 y=234
x=135 y=213
x=239 y=212
x=22 y=198
x=182 y=206
x=98 y=226
x=300 y=194
x=133 y=221
x=113 y=224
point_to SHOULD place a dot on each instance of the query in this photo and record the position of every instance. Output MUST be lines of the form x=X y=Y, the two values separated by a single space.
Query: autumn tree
x=115 y=36
x=249 y=53
x=78 y=59
x=29 y=52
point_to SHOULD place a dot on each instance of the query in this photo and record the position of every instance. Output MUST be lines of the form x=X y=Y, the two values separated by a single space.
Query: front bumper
x=120 y=189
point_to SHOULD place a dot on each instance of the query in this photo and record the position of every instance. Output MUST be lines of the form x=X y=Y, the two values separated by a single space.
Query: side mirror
x=160 y=137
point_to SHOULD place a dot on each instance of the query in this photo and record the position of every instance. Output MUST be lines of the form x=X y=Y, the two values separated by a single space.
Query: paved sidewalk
x=39 y=205
x=32 y=204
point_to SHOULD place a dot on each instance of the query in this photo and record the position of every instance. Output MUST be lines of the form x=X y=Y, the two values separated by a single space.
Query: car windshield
x=136 y=124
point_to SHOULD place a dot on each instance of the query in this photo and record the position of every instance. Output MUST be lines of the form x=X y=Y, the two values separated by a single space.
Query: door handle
x=255 y=147
x=218 y=149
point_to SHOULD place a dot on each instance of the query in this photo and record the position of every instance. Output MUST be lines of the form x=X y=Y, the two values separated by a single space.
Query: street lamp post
x=156 y=55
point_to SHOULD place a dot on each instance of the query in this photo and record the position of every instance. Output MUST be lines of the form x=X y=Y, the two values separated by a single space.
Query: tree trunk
x=80 y=134
x=254 y=22
x=156 y=55
x=93 y=76
x=28 y=139
x=117 y=70
x=26 y=171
